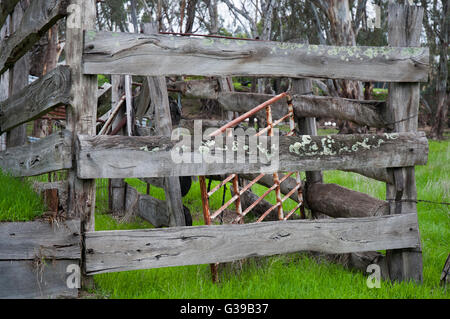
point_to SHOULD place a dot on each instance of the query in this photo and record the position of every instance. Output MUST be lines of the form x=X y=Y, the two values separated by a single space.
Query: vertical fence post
x=307 y=126
x=82 y=113
x=405 y=25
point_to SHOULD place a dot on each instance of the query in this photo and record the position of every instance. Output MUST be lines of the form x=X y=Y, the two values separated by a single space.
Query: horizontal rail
x=165 y=55
x=122 y=157
x=48 y=154
x=112 y=251
x=37 y=99
x=40 y=239
x=368 y=113
x=37 y=19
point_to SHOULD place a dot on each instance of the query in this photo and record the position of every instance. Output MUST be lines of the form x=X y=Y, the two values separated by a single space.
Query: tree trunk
x=440 y=119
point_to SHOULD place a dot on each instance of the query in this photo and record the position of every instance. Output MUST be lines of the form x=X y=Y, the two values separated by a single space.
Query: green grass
x=18 y=201
x=297 y=275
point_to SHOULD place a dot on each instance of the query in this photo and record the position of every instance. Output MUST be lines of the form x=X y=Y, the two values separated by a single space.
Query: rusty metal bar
x=293 y=211
x=241 y=118
x=267 y=192
x=251 y=183
x=226 y=180
x=221 y=209
x=267 y=212
x=205 y=200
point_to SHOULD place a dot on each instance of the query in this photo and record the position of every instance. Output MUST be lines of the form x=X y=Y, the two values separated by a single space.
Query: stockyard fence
x=38 y=258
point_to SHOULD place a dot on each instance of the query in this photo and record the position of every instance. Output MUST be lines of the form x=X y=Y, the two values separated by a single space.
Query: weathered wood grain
x=33 y=279
x=44 y=156
x=340 y=202
x=360 y=112
x=37 y=99
x=404 y=29
x=122 y=157
x=151 y=209
x=6 y=8
x=40 y=16
x=156 y=54
x=172 y=189
x=40 y=239
x=197 y=89
x=111 y=251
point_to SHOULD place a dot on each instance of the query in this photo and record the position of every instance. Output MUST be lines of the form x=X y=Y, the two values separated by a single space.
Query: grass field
x=287 y=276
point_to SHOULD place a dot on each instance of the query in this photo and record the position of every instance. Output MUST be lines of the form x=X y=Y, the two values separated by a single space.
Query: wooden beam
x=37 y=99
x=111 y=251
x=40 y=239
x=42 y=279
x=6 y=8
x=81 y=115
x=197 y=89
x=38 y=18
x=340 y=202
x=149 y=208
x=360 y=112
x=47 y=155
x=404 y=29
x=122 y=157
x=160 y=101
x=156 y=55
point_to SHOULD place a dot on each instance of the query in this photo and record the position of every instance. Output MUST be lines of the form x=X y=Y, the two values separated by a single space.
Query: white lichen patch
x=329 y=146
x=203 y=149
x=391 y=136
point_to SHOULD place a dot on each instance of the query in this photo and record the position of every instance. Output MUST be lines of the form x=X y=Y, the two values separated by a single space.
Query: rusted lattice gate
x=389 y=157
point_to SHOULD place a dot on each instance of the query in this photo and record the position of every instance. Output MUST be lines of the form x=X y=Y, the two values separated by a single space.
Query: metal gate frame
x=234 y=178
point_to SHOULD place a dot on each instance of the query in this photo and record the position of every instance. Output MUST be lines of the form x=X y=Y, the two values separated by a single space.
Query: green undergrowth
x=18 y=201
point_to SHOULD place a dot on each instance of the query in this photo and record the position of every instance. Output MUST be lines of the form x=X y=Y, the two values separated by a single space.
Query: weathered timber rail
x=122 y=157
x=38 y=18
x=49 y=154
x=37 y=99
x=156 y=54
x=34 y=257
x=111 y=251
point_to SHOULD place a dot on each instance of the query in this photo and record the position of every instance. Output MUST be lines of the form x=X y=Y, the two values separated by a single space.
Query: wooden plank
x=33 y=279
x=156 y=55
x=18 y=76
x=37 y=99
x=160 y=101
x=40 y=239
x=38 y=18
x=44 y=156
x=6 y=8
x=404 y=28
x=360 y=112
x=122 y=157
x=111 y=251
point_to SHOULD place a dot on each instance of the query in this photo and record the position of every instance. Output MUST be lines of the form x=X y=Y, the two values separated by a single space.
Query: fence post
x=307 y=126
x=405 y=24
x=82 y=113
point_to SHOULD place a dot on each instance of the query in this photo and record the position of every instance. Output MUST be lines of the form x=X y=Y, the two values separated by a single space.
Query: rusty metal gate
x=209 y=216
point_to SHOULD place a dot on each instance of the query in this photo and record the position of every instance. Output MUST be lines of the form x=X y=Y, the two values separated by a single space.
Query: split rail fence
x=37 y=247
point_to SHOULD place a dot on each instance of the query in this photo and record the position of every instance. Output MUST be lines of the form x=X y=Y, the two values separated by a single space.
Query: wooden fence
x=27 y=248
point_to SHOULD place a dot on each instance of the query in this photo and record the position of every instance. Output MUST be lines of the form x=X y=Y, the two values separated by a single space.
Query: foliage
x=18 y=201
